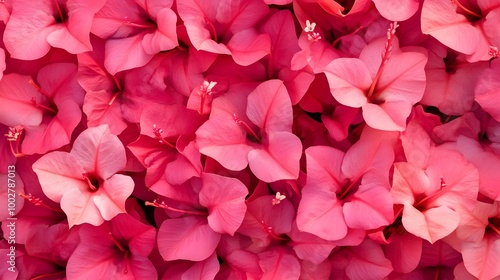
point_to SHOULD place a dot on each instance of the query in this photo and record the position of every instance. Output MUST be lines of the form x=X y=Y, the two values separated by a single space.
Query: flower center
x=148 y=25
x=251 y=135
x=92 y=180
x=395 y=228
x=38 y=202
x=212 y=29
x=451 y=63
x=309 y=29
x=162 y=204
x=51 y=108
x=14 y=136
x=61 y=15
x=269 y=230
x=279 y=197
x=425 y=200
x=158 y=131
x=205 y=92
x=471 y=15
x=493 y=226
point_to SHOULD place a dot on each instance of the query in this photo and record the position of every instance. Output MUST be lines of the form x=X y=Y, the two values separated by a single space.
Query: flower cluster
x=251 y=139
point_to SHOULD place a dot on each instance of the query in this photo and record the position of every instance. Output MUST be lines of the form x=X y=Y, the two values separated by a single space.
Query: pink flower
x=470 y=29
x=46 y=113
x=385 y=81
x=135 y=31
x=118 y=248
x=33 y=28
x=432 y=191
x=84 y=180
x=195 y=235
x=220 y=28
x=254 y=131
x=351 y=189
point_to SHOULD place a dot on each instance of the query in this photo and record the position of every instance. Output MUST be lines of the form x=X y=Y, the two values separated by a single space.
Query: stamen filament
x=113 y=98
x=16 y=154
x=495 y=229
x=112 y=238
x=269 y=231
x=247 y=127
x=436 y=274
x=41 y=106
x=158 y=135
x=349 y=188
x=456 y=2
x=48 y=275
x=146 y=26
x=336 y=41
x=59 y=11
x=39 y=89
x=38 y=202
x=213 y=29
x=117 y=84
x=386 y=54
x=157 y=204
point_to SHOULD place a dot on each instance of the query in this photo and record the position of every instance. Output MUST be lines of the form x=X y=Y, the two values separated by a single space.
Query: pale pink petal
x=281 y=158
x=416 y=144
x=124 y=54
x=100 y=152
x=59 y=172
x=80 y=208
x=481 y=258
x=371 y=206
x=248 y=46
x=460 y=179
x=432 y=224
x=349 y=79
x=310 y=247
x=387 y=116
x=15 y=99
x=223 y=140
x=203 y=270
x=456 y=85
x=269 y=106
x=486 y=162
x=440 y=20
x=396 y=10
x=487 y=90
x=408 y=181
x=367 y=261
x=404 y=251
x=277 y=263
x=110 y=197
x=373 y=151
x=189 y=238
x=98 y=111
x=403 y=78
x=26 y=32
x=165 y=37
x=225 y=199
x=320 y=213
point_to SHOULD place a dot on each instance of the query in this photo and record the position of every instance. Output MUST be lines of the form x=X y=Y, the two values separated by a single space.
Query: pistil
x=38 y=202
x=247 y=128
x=386 y=54
x=162 y=204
